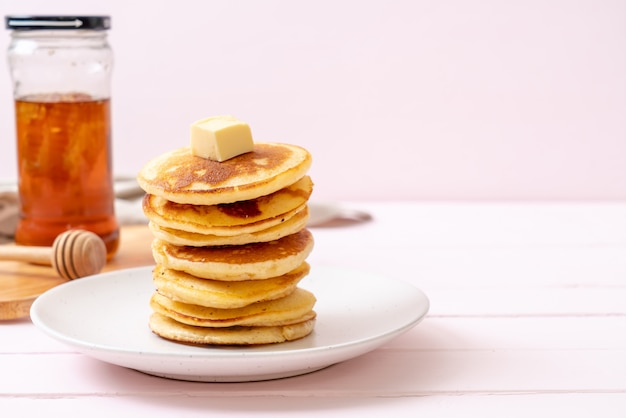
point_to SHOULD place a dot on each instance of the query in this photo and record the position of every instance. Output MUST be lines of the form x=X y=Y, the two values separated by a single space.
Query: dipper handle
x=36 y=255
x=75 y=253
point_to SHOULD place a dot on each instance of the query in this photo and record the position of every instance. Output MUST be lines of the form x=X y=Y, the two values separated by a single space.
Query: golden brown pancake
x=227 y=231
x=202 y=218
x=173 y=330
x=254 y=261
x=183 y=287
x=289 y=226
x=293 y=308
x=180 y=176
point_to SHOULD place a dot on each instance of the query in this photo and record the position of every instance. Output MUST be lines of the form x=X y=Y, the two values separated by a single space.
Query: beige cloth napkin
x=128 y=210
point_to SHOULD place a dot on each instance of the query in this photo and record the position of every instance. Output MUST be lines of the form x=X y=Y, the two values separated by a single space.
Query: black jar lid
x=58 y=22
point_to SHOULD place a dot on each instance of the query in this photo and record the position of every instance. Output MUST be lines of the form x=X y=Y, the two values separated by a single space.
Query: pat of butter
x=220 y=138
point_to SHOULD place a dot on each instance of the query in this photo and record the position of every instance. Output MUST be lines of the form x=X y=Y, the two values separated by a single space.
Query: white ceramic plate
x=106 y=317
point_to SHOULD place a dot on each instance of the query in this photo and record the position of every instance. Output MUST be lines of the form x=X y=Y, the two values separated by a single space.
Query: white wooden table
x=527 y=318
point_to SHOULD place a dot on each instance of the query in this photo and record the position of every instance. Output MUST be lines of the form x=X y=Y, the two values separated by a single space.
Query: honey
x=65 y=169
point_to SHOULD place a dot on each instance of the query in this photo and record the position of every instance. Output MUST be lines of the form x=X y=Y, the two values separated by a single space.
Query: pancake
x=183 y=287
x=180 y=176
x=173 y=330
x=225 y=231
x=293 y=308
x=176 y=237
x=254 y=261
x=203 y=218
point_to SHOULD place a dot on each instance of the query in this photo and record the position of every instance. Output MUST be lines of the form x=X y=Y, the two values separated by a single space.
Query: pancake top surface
x=245 y=254
x=288 y=309
x=192 y=218
x=182 y=177
x=173 y=330
x=184 y=287
x=239 y=262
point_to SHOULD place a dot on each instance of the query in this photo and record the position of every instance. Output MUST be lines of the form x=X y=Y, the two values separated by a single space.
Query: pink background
x=397 y=100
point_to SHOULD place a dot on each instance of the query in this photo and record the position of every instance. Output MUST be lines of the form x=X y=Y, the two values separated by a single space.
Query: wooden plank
x=381 y=373
x=522 y=333
x=469 y=267
x=570 y=405
x=574 y=301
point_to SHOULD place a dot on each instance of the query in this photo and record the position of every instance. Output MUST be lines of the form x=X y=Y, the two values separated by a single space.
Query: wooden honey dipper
x=75 y=253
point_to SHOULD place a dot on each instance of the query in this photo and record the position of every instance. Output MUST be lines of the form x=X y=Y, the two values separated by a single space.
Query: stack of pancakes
x=230 y=245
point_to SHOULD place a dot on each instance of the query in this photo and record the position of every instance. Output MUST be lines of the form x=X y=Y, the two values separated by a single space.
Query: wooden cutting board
x=21 y=283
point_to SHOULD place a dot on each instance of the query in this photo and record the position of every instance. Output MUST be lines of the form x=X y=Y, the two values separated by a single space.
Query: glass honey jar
x=60 y=68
